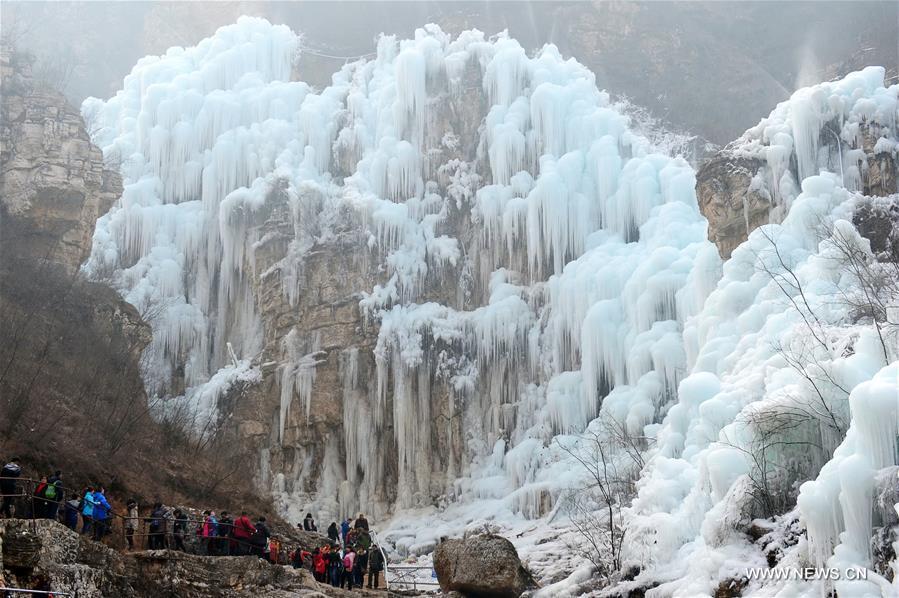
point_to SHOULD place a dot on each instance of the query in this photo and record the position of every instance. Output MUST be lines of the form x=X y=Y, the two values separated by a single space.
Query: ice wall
x=576 y=224
x=195 y=132
x=779 y=345
x=584 y=282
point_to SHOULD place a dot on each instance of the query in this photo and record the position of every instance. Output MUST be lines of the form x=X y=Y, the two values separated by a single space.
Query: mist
x=708 y=68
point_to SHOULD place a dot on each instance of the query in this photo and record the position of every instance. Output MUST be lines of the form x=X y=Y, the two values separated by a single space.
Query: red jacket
x=243 y=528
x=318 y=562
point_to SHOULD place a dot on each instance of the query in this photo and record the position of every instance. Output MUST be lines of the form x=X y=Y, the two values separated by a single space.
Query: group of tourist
x=214 y=535
x=347 y=558
x=344 y=561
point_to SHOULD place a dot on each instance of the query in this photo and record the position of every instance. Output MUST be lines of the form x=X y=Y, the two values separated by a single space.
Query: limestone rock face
x=734 y=200
x=879 y=177
x=483 y=565
x=877 y=219
x=323 y=319
x=45 y=555
x=733 y=209
x=54 y=182
x=62 y=337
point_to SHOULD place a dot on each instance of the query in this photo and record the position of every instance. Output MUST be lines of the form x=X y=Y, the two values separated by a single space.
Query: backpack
x=50 y=492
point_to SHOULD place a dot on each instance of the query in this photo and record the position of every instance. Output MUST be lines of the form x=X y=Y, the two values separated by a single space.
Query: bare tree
x=612 y=457
x=791 y=441
x=16 y=24
x=56 y=70
x=872 y=290
x=786 y=447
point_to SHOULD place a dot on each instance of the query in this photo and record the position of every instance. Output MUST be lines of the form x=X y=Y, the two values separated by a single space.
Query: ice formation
x=823 y=127
x=587 y=289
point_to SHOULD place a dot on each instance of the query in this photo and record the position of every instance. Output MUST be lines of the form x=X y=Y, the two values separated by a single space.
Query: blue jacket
x=101 y=506
x=87 y=507
x=344 y=528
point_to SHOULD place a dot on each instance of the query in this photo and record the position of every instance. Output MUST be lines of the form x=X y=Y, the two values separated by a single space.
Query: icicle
x=297 y=374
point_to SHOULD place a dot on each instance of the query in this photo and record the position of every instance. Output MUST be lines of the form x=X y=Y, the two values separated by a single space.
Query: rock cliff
x=324 y=321
x=71 y=392
x=57 y=326
x=54 y=182
x=728 y=201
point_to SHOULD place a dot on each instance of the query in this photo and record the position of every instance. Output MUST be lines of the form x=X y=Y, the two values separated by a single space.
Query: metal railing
x=29 y=505
x=26 y=497
x=10 y=591
x=35 y=508
x=404 y=575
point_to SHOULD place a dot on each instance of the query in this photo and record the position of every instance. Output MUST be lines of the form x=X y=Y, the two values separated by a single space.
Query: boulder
x=484 y=565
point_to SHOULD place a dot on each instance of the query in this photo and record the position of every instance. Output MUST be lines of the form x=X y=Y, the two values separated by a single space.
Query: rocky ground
x=48 y=556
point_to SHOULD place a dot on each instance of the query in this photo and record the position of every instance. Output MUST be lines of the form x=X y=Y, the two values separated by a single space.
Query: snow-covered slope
x=540 y=271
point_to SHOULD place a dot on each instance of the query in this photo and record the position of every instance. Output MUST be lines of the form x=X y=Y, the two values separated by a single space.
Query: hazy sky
x=711 y=67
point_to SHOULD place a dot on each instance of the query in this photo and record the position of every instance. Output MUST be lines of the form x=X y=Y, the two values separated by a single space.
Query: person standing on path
x=9 y=476
x=179 y=528
x=334 y=533
x=375 y=566
x=131 y=522
x=100 y=513
x=87 y=510
x=54 y=495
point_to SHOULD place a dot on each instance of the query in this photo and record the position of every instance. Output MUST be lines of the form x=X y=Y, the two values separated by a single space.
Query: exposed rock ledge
x=735 y=207
x=46 y=555
x=728 y=201
x=53 y=179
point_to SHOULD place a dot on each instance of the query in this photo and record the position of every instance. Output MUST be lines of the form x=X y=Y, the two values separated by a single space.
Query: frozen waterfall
x=582 y=284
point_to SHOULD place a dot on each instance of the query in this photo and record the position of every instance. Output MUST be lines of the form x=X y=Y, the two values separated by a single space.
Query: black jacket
x=10 y=470
x=361 y=562
x=375 y=560
x=226 y=527
x=260 y=538
x=333 y=533
x=180 y=524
